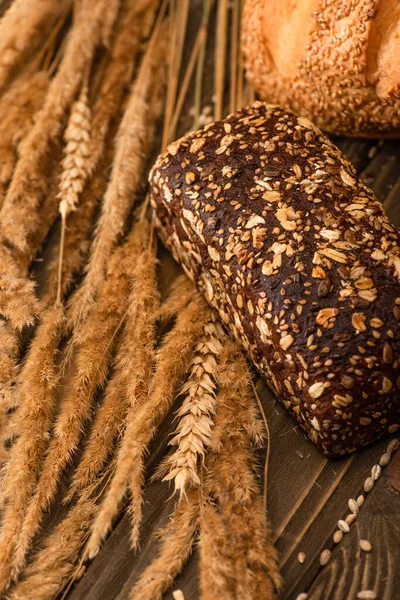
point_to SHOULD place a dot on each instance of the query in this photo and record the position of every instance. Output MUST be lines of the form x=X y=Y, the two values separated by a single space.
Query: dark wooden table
x=307 y=494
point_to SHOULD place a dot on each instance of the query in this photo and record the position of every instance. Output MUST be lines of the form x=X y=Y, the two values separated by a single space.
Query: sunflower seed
x=343 y=526
x=365 y=545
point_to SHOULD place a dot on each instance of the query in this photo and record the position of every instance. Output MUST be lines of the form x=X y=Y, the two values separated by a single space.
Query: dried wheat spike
x=95 y=346
x=240 y=560
x=75 y=162
x=75 y=167
x=196 y=415
x=133 y=144
x=173 y=359
x=23 y=28
x=177 y=540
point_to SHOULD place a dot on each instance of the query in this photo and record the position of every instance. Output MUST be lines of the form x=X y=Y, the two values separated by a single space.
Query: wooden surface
x=307 y=493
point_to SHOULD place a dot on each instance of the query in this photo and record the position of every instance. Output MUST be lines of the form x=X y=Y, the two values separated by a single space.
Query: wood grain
x=307 y=493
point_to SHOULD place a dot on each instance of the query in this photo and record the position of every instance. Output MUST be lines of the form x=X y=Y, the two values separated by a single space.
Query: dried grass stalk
x=181 y=292
x=248 y=564
x=23 y=28
x=95 y=346
x=134 y=142
x=28 y=184
x=18 y=107
x=55 y=564
x=134 y=26
x=177 y=540
x=129 y=386
x=38 y=381
x=173 y=359
x=220 y=58
x=195 y=417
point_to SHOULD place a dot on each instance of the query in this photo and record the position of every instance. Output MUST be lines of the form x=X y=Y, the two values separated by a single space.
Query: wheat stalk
x=220 y=58
x=177 y=540
x=172 y=361
x=195 y=417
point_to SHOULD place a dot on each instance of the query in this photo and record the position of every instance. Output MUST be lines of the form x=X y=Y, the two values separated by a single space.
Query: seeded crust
x=334 y=62
x=268 y=218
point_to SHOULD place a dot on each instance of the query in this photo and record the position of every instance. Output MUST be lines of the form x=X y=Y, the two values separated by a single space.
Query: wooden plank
x=307 y=493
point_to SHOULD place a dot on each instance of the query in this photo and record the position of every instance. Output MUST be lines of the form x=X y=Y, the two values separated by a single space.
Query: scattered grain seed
x=353 y=506
x=178 y=595
x=367 y=595
x=302 y=596
x=343 y=526
x=393 y=446
x=368 y=484
x=325 y=557
x=338 y=536
x=365 y=545
x=384 y=459
x=301 y=557
x=360 y=500
x=351 y=518
x=376 y=472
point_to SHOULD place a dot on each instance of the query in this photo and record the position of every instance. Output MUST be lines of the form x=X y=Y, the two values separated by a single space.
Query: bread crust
x=270 y=221
x=339 y=66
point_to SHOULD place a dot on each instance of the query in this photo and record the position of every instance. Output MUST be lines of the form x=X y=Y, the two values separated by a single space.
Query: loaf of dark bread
x=270 y=221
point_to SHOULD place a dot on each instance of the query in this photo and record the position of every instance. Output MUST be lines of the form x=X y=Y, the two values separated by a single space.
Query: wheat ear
x=26 y=188
x=129 y=386
x=173 y=358
x=195 y=417
x=134 y=142
x=248 y=564
x=76 y=167
x=23 y=29
x=95 y=345
x=177 y=540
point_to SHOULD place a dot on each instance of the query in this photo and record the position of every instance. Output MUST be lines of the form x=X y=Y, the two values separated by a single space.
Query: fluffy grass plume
x=23 y=28
x=176 y=543
x=173 y=359
x=239 y=561
x=134 y=142
x=128 y=388
x=94 y=352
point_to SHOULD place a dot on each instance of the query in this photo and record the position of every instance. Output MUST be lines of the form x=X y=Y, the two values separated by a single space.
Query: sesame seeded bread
x=335 y=62
x=268 y=218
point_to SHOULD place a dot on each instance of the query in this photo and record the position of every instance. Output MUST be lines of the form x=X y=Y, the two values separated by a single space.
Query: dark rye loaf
x=268 y=218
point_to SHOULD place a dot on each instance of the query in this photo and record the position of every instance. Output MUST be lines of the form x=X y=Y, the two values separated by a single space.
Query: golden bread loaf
x=335 y=62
